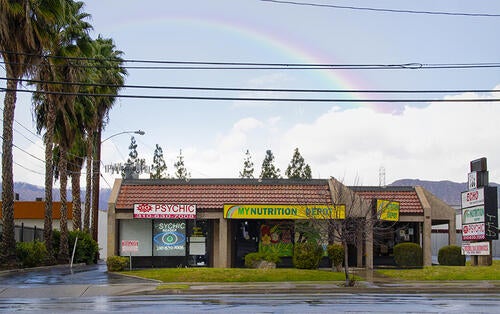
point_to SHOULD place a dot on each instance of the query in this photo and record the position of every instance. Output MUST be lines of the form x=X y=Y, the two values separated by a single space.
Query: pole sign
x=165 y=211
x=476 y=248
x=472 y=180
x=130 y=246
x=480 y=214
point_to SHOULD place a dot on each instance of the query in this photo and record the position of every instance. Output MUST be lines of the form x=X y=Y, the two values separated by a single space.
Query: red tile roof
x=214 y=193
x=406 y=196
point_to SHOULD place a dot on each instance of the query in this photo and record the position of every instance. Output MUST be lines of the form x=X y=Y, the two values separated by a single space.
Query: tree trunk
x=88 y=189
x=49 y=181
x=346 y=263
x=77 y=203
x=8 y=239
x=63 y=177
x=95 y=181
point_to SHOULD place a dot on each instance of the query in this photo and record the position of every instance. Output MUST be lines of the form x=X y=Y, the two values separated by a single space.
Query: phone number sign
x=473 y=231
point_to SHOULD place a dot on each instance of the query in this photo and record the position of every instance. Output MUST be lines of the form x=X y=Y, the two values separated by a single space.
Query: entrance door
x=246 y=239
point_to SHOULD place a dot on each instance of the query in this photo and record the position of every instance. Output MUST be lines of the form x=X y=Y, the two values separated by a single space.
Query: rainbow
x=286 y=49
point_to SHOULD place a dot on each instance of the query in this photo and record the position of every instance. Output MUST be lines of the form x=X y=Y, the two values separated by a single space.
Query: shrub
x=451 y=255
x=252 y=258
x=117 y=263
x=86 y=248
x=307 y=255
x=336 y=255
x=408 y=254
x=31 y=254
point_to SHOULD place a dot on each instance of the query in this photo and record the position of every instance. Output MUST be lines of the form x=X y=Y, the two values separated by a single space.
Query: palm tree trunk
x=8 y=239
x=88 y=191
x=63 y=177
x=49 y=181
x=77 y=202
x=95 y=182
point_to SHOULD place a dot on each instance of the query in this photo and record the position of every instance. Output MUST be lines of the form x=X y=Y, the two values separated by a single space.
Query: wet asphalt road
x=61 y=275
x=64 y=278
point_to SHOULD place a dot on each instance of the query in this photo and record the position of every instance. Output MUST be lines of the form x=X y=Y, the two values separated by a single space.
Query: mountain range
x=448 y=191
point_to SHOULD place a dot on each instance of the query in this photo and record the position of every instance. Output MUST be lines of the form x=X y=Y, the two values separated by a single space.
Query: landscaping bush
x=251 y=259
x=117 y=263
x=86 y=247
x=451 y=255
x=307 y=255
x=408 y=254
x=31 y=254
x=336 y=255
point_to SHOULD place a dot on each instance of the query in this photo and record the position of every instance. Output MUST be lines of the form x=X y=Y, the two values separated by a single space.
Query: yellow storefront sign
x=253 y=211
x=387 y=210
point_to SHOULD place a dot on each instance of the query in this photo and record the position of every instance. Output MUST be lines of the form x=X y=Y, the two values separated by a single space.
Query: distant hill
x=448 y=191
x=30 y=192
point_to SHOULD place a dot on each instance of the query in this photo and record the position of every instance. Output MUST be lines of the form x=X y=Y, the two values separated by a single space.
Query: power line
x=242 y=89
x=211 y=65
x=341 y=100
x=331 y=6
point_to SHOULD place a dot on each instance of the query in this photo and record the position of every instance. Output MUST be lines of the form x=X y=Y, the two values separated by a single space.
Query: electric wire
x=385 y=10
x=266 y=99
x=243 y=89
x=215 y=65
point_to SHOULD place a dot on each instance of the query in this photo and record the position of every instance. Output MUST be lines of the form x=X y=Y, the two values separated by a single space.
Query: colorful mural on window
x=276 y=237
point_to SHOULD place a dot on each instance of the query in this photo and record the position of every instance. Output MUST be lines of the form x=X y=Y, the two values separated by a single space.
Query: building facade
x=216 y=222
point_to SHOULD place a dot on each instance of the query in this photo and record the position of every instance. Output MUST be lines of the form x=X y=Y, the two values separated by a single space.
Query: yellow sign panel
x=388 y=210
x=252 y=211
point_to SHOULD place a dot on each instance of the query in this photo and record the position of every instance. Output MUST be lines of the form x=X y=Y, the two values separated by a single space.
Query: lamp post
x=96 y=174
x=140 y=132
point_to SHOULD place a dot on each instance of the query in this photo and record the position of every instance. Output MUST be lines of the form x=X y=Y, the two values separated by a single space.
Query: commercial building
x=216 y=222
x=29 y=219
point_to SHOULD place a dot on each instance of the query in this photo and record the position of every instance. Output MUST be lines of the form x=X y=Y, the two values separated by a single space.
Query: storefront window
x=169 y=238
x=276 y=237
x=136 y=230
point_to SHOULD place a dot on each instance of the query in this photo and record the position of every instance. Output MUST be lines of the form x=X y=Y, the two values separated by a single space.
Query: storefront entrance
x=246 y=239
x=388 y=236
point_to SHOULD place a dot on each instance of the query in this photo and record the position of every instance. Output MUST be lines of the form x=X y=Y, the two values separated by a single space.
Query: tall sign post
x=479 y=215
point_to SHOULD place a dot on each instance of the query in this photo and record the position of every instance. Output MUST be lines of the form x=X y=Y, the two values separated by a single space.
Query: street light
x=140 y=132
x=96 y=173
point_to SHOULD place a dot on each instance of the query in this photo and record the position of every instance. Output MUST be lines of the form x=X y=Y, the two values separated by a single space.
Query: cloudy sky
x=350 y=141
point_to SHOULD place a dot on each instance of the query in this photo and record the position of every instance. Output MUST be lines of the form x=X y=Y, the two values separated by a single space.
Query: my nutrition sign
x=165 y=211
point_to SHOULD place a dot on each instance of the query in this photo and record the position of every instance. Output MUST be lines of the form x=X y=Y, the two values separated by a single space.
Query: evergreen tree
x=298 y=169
x=180 y=170
x=269 y=171
x=134 y=164
x=159 y=167
x=247 y=172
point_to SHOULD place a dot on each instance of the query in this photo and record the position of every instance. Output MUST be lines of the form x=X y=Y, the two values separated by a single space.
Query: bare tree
x=352 y=220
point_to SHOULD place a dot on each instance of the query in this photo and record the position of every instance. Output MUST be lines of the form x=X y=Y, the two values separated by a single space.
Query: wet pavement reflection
x=261 y=303
x=79 y=274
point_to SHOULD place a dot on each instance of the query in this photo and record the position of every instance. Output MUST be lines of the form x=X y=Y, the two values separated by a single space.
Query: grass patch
x=446 y=272
x=236 y=275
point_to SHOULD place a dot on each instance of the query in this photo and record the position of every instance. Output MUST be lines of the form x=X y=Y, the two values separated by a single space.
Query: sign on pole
x=130 y=246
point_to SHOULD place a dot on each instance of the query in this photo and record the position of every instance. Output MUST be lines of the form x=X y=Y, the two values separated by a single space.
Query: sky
x=349 y=141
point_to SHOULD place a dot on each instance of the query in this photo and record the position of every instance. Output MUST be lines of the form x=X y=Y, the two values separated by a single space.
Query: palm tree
x=76 y=157
x=110 y=77
x=25 y=29
x=54 y=105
